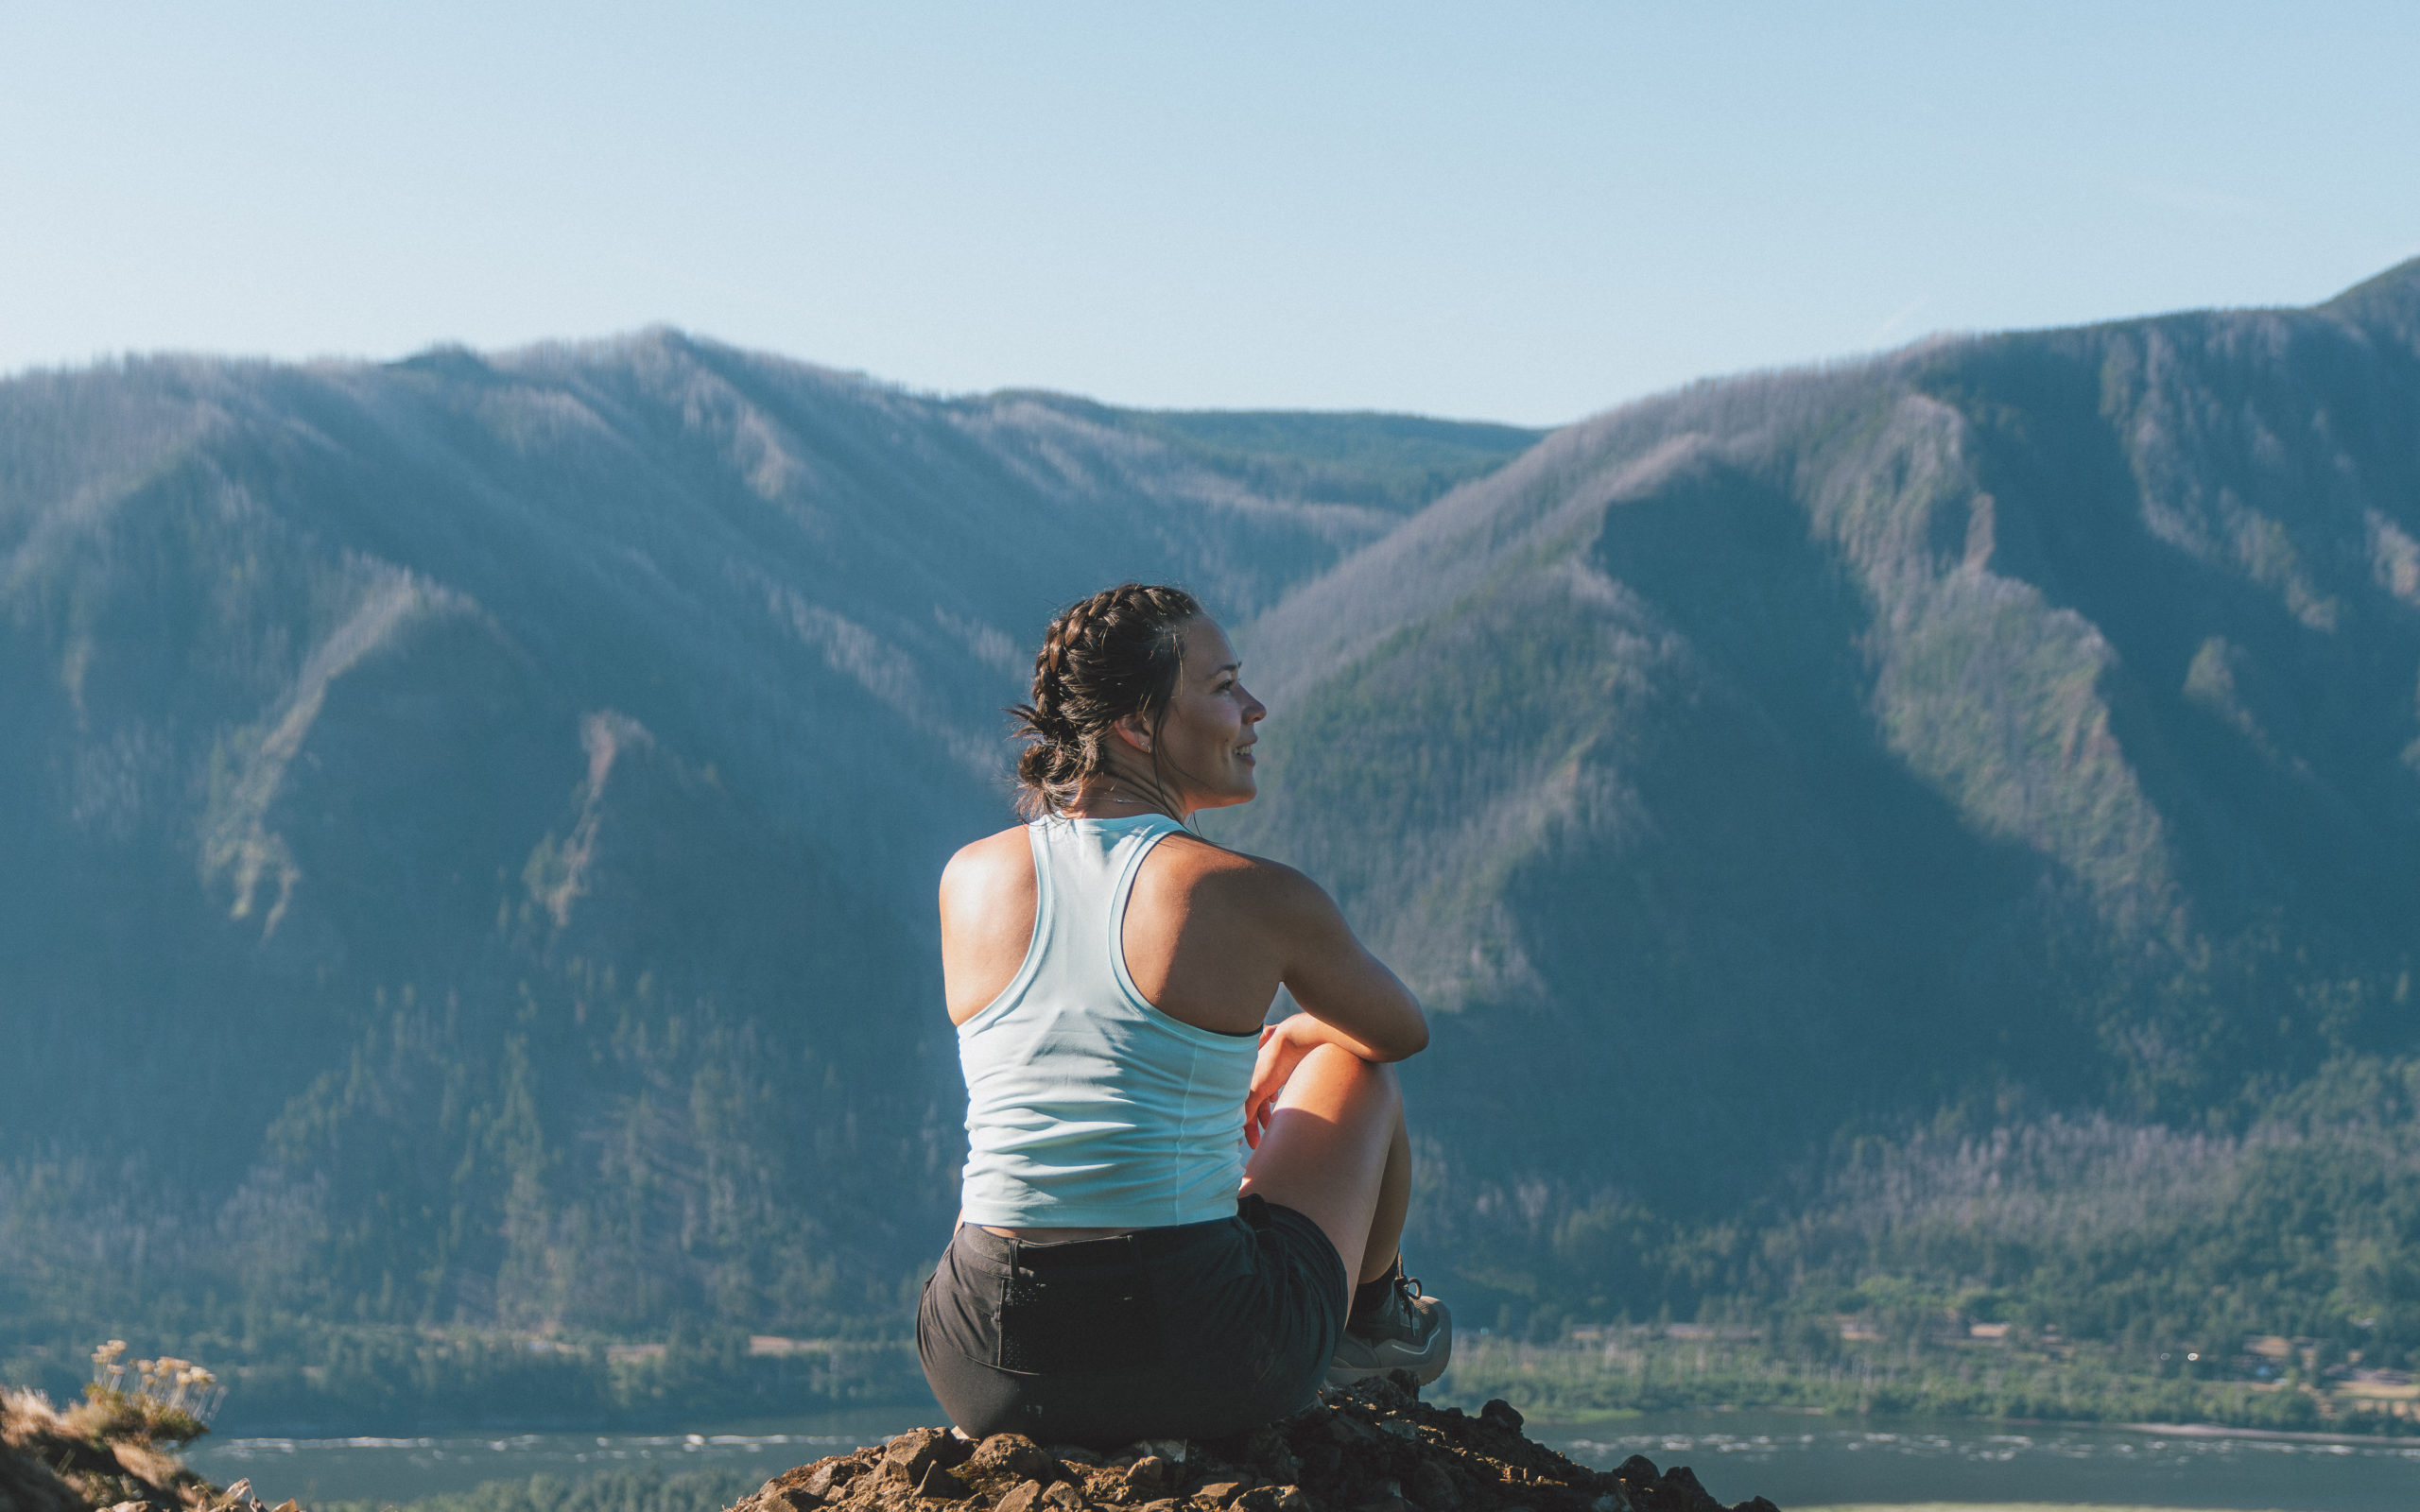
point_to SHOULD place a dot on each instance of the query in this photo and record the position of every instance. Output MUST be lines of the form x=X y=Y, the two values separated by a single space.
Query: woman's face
x=1204 y=747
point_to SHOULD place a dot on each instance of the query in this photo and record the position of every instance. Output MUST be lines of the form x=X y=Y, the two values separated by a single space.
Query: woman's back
x=1087 y=1106
x=1196 y=936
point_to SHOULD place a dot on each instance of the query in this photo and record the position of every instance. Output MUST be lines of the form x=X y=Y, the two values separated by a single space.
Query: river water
x=1799 y=1462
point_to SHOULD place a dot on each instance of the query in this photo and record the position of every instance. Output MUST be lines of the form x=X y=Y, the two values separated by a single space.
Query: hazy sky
x=1511 y=210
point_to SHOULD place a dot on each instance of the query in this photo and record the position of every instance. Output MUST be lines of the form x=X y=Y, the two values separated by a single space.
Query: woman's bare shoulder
x=1005 y=859
x=1236 y=876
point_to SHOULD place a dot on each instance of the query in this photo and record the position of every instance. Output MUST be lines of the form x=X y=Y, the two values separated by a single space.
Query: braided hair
x=1115 y=653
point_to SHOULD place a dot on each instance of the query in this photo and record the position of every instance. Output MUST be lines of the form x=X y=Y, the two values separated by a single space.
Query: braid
x=1115 y=653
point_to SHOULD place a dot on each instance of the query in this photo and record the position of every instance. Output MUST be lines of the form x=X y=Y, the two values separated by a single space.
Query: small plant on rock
x=171 y=1403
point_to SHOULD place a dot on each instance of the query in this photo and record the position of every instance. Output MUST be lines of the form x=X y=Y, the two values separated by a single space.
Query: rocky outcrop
x=1374 y=1448
x=98 y=1453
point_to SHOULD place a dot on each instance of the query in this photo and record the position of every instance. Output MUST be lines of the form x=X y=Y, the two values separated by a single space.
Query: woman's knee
x=1368 y=1083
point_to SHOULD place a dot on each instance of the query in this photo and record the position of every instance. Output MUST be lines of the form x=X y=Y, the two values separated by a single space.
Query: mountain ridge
x=1897 y=482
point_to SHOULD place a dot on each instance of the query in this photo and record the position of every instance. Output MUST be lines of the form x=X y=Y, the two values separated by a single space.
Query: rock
x=96 y=1454
x=1433 y=1488
x=909 y=1455
x=806 y=1488
x=940 y=1483
x=1374 y=1448
x=1150 y=1477
x=1681 y=1488
x=825 y=1478
x=1266 y=1451
x=1009 y=1456
x=1023 y=1498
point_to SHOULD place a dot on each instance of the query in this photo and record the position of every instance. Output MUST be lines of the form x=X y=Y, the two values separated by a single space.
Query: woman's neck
x=1111 y=797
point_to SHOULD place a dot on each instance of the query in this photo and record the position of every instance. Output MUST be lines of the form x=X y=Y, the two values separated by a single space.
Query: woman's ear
x=1134 y=732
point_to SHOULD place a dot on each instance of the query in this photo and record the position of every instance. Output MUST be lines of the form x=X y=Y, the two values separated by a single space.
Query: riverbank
x=398 y=1382
x=1599 y=1375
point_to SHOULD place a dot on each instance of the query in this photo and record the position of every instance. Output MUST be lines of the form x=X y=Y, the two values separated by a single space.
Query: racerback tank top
x=1087 y=1107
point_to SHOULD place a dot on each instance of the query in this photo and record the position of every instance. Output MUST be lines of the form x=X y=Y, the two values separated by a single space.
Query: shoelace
x=1408 y=1288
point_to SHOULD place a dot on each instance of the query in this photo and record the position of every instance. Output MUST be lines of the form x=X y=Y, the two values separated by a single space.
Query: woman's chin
x=1243 y=792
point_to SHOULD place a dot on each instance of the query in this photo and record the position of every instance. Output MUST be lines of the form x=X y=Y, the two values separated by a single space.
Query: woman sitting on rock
x=1120 y=1269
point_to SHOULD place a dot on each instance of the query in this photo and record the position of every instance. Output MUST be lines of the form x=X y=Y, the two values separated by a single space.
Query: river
x=1799 y=1462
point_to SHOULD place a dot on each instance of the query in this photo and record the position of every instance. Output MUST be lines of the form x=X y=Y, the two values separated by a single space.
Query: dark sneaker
x=1407 y=1331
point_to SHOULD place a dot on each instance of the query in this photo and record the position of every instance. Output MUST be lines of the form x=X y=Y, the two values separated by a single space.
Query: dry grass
x=98 y=1453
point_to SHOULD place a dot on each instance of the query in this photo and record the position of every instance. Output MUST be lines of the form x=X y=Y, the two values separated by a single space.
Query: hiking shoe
x=1407 y=1331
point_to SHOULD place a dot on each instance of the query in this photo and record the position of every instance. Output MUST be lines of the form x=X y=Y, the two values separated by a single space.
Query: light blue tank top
x=1086 y=1107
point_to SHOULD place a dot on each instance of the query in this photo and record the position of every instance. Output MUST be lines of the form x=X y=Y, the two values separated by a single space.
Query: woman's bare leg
x=1395 y=1202
x=1335 y=1151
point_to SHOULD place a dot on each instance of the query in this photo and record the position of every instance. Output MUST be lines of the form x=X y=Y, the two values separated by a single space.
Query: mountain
x=2006 y=727
x=475 y=822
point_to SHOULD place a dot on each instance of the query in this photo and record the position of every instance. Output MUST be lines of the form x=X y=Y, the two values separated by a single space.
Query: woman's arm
x=1349 y=999
x=1356 y=1002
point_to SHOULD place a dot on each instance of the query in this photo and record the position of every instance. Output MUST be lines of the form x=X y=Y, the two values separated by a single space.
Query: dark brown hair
x=1115 y=653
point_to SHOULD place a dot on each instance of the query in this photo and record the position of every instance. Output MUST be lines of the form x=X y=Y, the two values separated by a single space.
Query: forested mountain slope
x=2028 y=721
x=472 y=823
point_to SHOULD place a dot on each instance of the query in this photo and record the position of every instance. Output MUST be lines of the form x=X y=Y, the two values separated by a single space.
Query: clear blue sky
x=1519 y=211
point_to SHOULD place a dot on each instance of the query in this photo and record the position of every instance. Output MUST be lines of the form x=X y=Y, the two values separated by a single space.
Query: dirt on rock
x=1373 y=1448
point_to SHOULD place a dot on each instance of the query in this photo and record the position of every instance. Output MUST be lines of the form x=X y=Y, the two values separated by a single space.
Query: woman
x=1120 y=1271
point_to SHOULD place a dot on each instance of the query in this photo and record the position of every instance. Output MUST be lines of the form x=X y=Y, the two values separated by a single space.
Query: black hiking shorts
x=1189 y=1331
